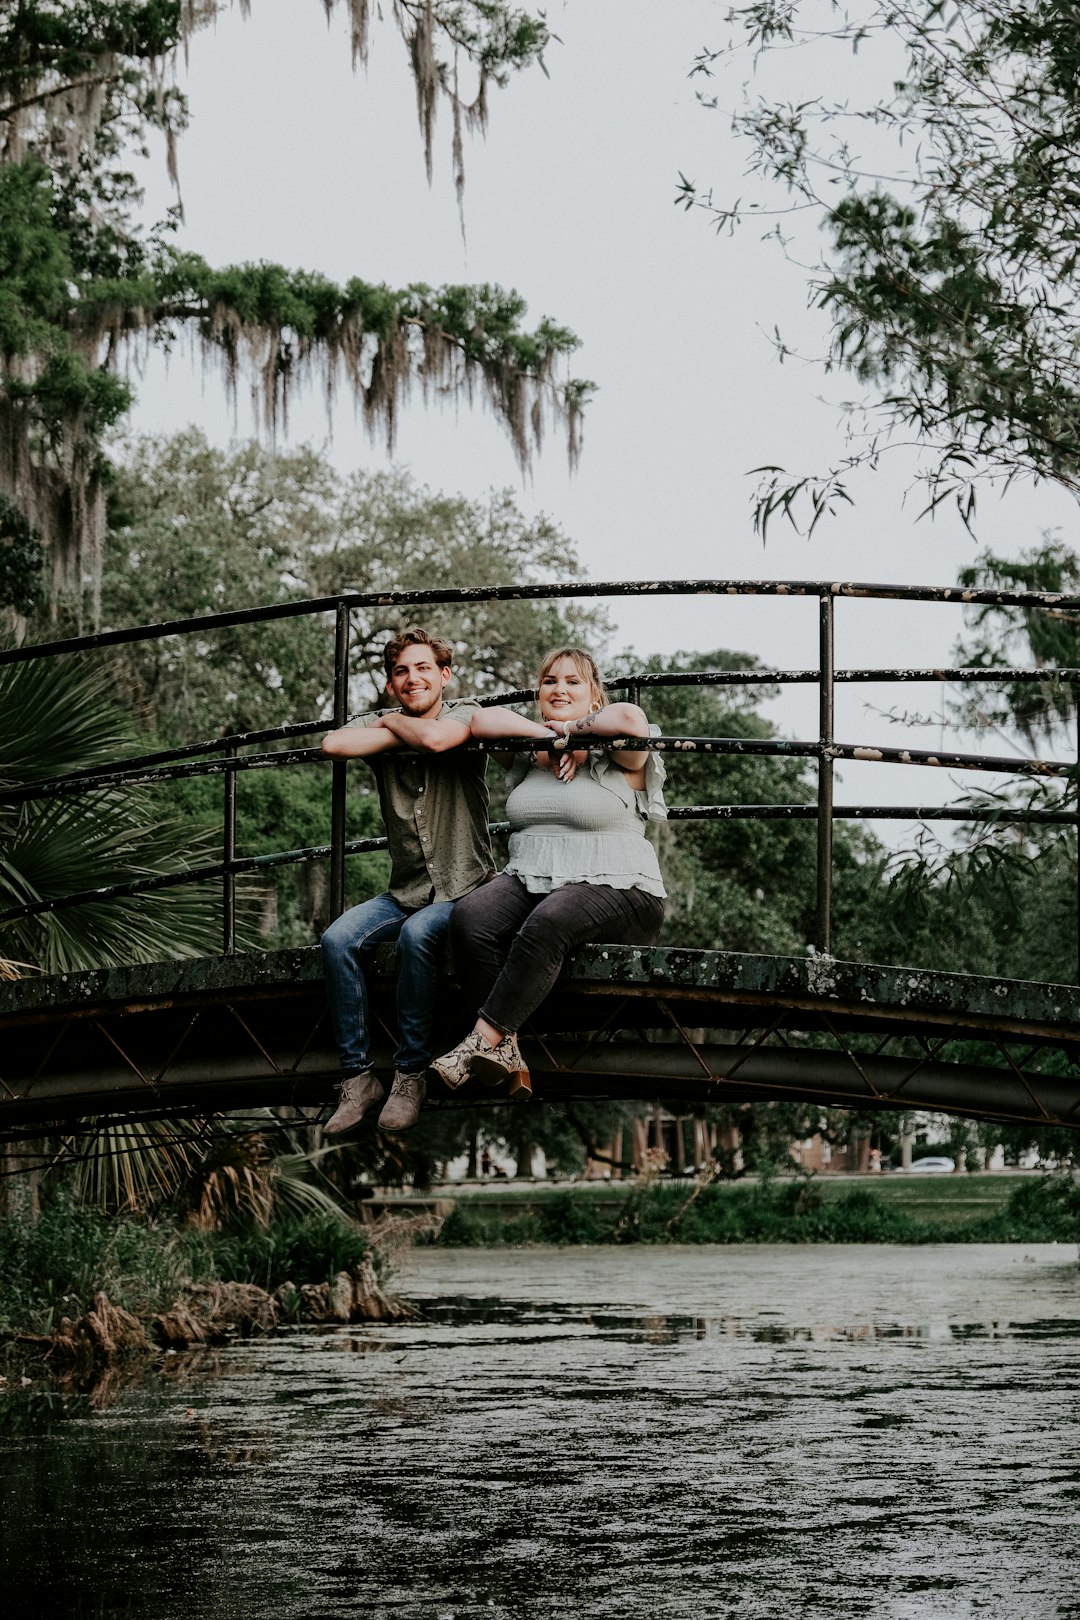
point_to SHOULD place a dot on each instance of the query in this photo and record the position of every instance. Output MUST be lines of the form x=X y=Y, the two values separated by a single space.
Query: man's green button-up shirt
x=435 y=812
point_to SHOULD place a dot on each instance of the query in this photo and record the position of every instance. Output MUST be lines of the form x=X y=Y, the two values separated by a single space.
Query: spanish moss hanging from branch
x=82 y=88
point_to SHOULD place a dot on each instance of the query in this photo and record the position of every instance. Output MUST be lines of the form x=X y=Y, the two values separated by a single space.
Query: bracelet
x=566 y=727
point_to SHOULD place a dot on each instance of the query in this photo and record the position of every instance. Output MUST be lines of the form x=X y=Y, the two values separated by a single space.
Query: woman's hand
x=566 y=765
x=546 y=760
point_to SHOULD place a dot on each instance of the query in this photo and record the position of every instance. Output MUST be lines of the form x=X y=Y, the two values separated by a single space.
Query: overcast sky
x=291 y=157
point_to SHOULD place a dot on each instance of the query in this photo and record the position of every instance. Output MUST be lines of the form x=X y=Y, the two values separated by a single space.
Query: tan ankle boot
x=404 y=1102
x=359 y=1092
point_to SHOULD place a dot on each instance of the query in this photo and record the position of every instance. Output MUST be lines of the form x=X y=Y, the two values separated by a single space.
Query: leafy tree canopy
x=949 y=200
x=746 y=885
x=194 y=530
x=1046 y=637
x=83 y=86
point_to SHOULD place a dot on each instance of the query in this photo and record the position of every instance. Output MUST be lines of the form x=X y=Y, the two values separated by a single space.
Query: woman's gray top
x=590 y=830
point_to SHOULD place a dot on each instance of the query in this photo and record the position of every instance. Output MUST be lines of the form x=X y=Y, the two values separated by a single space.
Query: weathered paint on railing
x=825 y=750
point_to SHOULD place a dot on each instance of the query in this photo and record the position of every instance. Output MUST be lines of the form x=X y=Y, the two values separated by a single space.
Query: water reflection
x=635 y=1433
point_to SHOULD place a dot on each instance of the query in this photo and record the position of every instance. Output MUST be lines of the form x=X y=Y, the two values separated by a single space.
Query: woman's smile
x=564 y=693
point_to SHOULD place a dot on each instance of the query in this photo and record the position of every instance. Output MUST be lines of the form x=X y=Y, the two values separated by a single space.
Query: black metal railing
x=194 y=759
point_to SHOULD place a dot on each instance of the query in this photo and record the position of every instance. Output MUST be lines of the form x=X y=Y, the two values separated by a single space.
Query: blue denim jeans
x=348 y=945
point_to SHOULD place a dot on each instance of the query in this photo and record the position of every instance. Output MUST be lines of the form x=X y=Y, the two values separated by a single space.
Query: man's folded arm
x=433 y=736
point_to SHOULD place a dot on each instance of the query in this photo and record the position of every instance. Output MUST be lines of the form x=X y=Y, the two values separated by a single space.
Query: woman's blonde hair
x=584 y=663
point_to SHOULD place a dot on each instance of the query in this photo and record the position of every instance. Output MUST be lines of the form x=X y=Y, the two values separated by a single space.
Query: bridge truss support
x=696 y=1028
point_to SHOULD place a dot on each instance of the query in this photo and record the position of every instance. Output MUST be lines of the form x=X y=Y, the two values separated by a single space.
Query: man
x=435 y=811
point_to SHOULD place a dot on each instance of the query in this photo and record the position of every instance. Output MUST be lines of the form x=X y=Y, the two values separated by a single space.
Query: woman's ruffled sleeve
x=650 y=798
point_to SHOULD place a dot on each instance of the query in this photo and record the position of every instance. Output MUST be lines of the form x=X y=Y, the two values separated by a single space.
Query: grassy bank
x=53 y=1268
x=968 y=1209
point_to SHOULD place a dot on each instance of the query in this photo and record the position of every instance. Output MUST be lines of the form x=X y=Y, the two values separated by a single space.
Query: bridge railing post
x=228 y=857
x=339 y=781
x=826 y=691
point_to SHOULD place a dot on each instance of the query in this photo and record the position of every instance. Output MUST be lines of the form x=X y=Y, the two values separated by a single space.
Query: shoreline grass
x=1043 y=1209
x=52 y=1267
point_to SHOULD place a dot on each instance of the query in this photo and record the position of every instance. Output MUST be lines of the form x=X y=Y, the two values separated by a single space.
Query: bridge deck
x=688 y=1027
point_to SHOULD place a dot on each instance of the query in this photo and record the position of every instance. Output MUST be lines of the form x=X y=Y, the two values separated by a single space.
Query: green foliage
x=1040 y=1210
x=1046 y=1210
x=786 y=1212
x=66 y=845
x=35 y=264
x=749 y=885
x=766 y=1212
x=382 y=338
x=195 y=529
x=566 y=1133
x=290 y=1249
x=1003 y=903
x=1046 y=636
x=734 y=885
x=1001 y=897
x=22 y=559
x=132 y=1167
x=53 y=1267
x=82 y=87
x=953 y=280
x=559 y=1218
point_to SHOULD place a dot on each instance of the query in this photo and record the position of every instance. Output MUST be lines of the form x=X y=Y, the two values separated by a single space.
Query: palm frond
x=73 y=845
x=57 y=716
x=296 y=1192
x=133 y=1166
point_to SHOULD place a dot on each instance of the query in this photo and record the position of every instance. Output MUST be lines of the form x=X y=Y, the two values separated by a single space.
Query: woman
x=580 y=871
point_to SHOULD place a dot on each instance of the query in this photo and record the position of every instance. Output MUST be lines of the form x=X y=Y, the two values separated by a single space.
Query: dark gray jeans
x=509 y=945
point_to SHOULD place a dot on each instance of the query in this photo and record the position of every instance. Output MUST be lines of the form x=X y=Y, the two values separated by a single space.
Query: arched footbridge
x=250 y=1029
x=696 y=1027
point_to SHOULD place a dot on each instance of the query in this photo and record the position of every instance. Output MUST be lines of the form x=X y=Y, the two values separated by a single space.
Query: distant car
x=932 y=1166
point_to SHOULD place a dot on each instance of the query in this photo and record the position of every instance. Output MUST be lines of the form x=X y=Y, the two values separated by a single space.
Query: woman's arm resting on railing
x=358 y=742
x=615 y=720
x=507 y=723
x=494 y=723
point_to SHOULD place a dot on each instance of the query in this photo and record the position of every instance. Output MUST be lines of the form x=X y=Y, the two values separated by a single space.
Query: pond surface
x=673 y=1432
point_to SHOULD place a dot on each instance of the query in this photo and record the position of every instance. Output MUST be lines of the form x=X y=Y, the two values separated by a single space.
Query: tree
x=743 y=885
x=952 y=282
x=84 y=84
x=193 y=529
x=1013 y=883
x=1043 y=636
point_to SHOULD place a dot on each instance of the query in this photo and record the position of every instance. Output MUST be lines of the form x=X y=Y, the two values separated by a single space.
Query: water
x=635 y=1433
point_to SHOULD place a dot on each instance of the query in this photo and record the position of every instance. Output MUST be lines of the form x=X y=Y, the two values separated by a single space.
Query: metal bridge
x=697 y=1027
